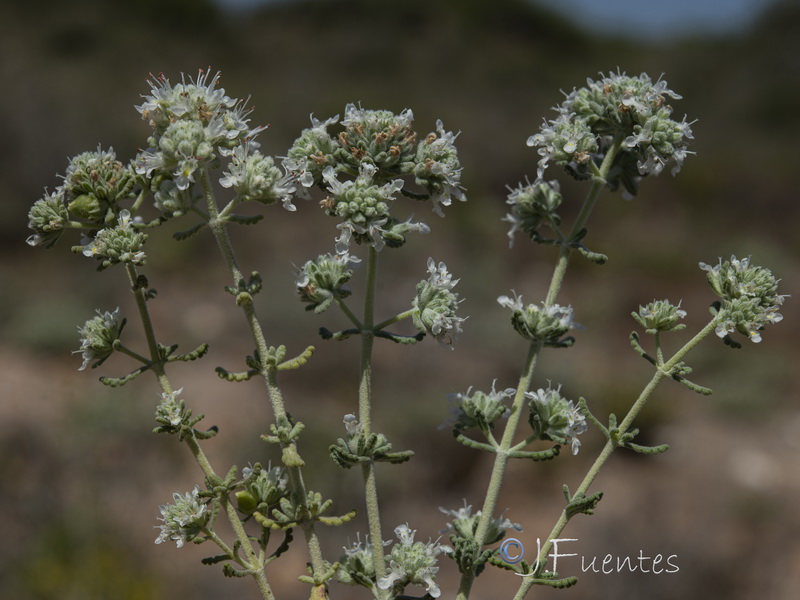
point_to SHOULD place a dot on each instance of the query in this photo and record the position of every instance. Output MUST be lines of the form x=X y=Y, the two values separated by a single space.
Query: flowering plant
x=611 y=134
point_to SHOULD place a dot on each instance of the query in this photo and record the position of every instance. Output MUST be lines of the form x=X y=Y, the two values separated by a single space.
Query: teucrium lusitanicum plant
x=368 y=170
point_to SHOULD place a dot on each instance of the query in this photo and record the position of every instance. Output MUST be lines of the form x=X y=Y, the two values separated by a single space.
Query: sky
x=641 y=19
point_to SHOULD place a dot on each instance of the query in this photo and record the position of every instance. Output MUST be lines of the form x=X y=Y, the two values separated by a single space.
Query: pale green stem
x=157 y=366
x=346 y=310
x=502 y=454
x=217 y=226
x=394 y=319
x=365 y=418
x=580 y=222
x=662 y=371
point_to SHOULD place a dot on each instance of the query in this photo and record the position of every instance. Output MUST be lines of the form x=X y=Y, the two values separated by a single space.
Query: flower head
x=479 y=409
x=321 y=280
x=464 y=524
x=749 y=298
x=263 y=488
x=552 y=417
x=356 y=567
x=435 y=305
x=171 y=412
x=47 y=218
x=377 y=137
x=98 y=336
x=94 y=185
x=544 y=323
x=194 y=124
x=565 y=140
x=184 y=520
x=312 y=152
x=119 y=244
x=363 y=205
x=660 y=315
x=412 y=563
x=533 y=205
x=615 y=107
x=254 y=176
x=438 y=168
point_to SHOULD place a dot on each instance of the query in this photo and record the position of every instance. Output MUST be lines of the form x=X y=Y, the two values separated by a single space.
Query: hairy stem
x=556 y=281
x=300 y=494
x=662 y=371
x=157 y=366
x=365 y=416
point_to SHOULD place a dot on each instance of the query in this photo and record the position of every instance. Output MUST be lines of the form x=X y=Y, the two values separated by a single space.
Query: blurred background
x=82 y=473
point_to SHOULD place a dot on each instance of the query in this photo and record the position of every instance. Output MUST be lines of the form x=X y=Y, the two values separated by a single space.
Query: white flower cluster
x=195 y=124
x=184 y=520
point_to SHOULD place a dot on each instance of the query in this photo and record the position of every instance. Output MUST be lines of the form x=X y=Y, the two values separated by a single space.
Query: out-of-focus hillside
x=83 y=475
